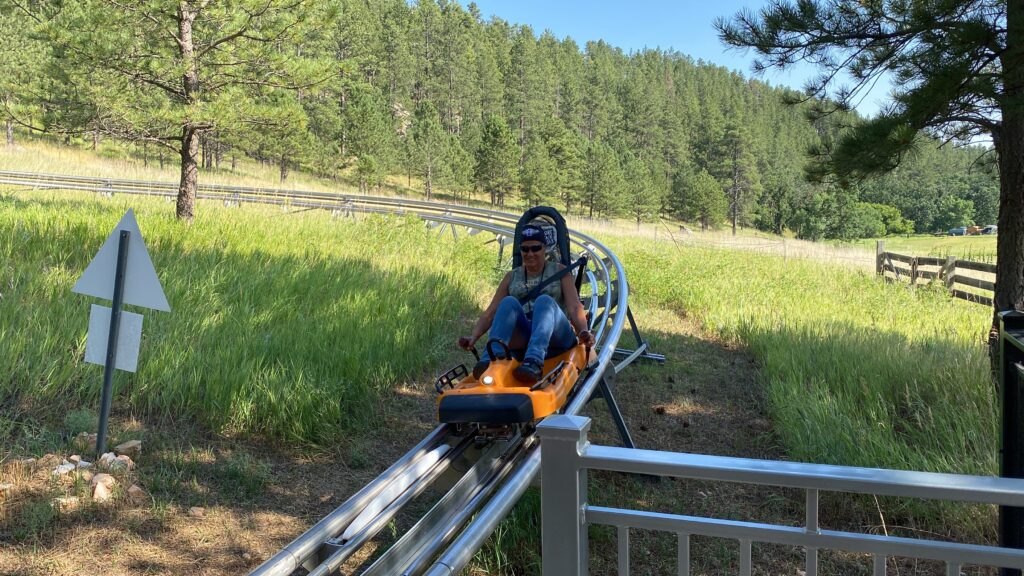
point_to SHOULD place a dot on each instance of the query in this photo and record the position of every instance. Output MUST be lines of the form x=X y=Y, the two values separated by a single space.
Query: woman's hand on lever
x=466 y=342
x=586 y=338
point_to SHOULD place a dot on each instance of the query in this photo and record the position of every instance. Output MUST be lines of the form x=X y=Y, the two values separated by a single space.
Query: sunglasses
x=534 y=248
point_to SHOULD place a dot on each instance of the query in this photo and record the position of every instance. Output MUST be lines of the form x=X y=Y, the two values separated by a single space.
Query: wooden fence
x=949 y=271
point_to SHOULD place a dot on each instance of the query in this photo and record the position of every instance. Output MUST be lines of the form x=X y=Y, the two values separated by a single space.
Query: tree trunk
x=427 y=182
x=1009 y=292
x=284 y=168
x=161 y=158
x=145 y=154
x=234 y=162
x=186 y=206
x=95 y=139
x=10 y=132
x=1009 y=144
x=735 y=206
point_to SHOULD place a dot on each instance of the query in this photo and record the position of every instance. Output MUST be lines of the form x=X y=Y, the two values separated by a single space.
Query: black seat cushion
x=485 y=409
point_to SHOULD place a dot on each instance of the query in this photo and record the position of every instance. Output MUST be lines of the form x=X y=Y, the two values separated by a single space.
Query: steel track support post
x=115 y=324
x=632 y=324
x=1011 y=379
x=564 y=543
x=605 y=388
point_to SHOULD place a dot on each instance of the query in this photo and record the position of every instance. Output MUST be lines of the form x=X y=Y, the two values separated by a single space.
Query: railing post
x=879 y=257
x=564 y=545
x=948 y=271
x=1011 y=356
x=913 y=272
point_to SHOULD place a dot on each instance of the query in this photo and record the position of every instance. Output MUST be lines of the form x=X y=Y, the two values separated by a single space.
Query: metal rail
x=566 y=513
x=492 y=490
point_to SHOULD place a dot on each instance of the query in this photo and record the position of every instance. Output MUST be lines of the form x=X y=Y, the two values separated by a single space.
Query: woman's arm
x=483 y=324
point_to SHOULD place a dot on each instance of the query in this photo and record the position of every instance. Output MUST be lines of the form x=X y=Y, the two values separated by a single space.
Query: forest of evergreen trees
x=433 y=92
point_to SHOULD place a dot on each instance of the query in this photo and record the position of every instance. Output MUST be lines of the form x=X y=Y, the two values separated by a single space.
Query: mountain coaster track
x=498 y=470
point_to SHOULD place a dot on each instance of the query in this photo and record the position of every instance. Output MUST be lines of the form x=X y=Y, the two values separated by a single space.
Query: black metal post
x=115 y=324
x=604 y=390
x=1011 y=379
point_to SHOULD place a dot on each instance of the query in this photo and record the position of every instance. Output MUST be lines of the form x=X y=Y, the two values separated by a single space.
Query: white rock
x=122 y=462
x=63 y=469
x=107 y=459
x=82 y=464
x=101 y=493
x=129 y=448
x=74 y=459
x=104 y=480
x=66 y=503
x=197 y=511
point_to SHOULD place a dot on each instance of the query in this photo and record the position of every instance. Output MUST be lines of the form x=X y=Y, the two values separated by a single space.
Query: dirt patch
x=256 y=498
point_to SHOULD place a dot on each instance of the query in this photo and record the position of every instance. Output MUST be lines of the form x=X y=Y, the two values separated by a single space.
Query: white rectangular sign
x=129 y=334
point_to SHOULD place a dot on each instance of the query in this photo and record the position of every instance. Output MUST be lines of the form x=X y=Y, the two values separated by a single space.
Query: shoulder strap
x=533 y=293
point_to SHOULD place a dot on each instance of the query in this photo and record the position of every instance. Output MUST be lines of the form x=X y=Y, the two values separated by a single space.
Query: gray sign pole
x=115 y=323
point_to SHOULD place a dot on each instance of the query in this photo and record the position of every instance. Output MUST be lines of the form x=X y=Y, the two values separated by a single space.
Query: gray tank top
x=520 y=285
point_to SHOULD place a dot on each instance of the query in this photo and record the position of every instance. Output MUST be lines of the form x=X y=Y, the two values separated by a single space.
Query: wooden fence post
x=913 y=272
x=879 y=257
x=948 y=271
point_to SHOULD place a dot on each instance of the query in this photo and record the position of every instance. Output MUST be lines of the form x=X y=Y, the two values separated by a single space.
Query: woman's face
x=533 y=254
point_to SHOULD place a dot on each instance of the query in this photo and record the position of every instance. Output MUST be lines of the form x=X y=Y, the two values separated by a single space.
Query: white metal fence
x=566 y=513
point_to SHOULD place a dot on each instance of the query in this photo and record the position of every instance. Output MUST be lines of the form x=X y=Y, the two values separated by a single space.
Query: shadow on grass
x=297 y=347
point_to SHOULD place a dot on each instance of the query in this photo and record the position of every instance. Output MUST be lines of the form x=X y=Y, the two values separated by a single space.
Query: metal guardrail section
x=566 y=512
x=448 y=546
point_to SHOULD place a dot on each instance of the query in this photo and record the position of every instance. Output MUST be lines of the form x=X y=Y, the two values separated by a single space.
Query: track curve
x=448 y=543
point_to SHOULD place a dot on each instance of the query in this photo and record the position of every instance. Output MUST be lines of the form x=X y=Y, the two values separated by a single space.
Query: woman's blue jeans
x=547 y=328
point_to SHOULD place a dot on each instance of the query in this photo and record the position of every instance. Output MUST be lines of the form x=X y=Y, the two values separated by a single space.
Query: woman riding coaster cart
x=539 y=344
x=533 y=323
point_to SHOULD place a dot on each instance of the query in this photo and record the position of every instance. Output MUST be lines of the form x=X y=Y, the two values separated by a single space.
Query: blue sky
x=683 y=25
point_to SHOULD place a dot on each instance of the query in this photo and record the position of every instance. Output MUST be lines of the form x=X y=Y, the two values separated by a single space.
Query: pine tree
x=702 y=199
x=539 y=174
x=642 y=198
x=459 y=163
x=21 y=84
x=203 y=64
x=497 y=161
x=564 y=149
x=739 y=172
x=604 y=183
x=429 y=146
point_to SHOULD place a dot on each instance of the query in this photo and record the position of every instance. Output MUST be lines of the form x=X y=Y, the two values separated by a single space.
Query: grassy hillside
x=856 y=371
x=288 y=325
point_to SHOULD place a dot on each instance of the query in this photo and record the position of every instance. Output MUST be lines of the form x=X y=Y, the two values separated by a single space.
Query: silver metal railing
x=566 y=512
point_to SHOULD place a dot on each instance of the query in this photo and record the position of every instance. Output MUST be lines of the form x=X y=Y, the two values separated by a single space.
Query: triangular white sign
x=141 y=285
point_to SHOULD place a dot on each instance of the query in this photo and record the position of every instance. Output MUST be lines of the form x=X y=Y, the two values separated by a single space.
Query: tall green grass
x=857 y=372
x=284 y=324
